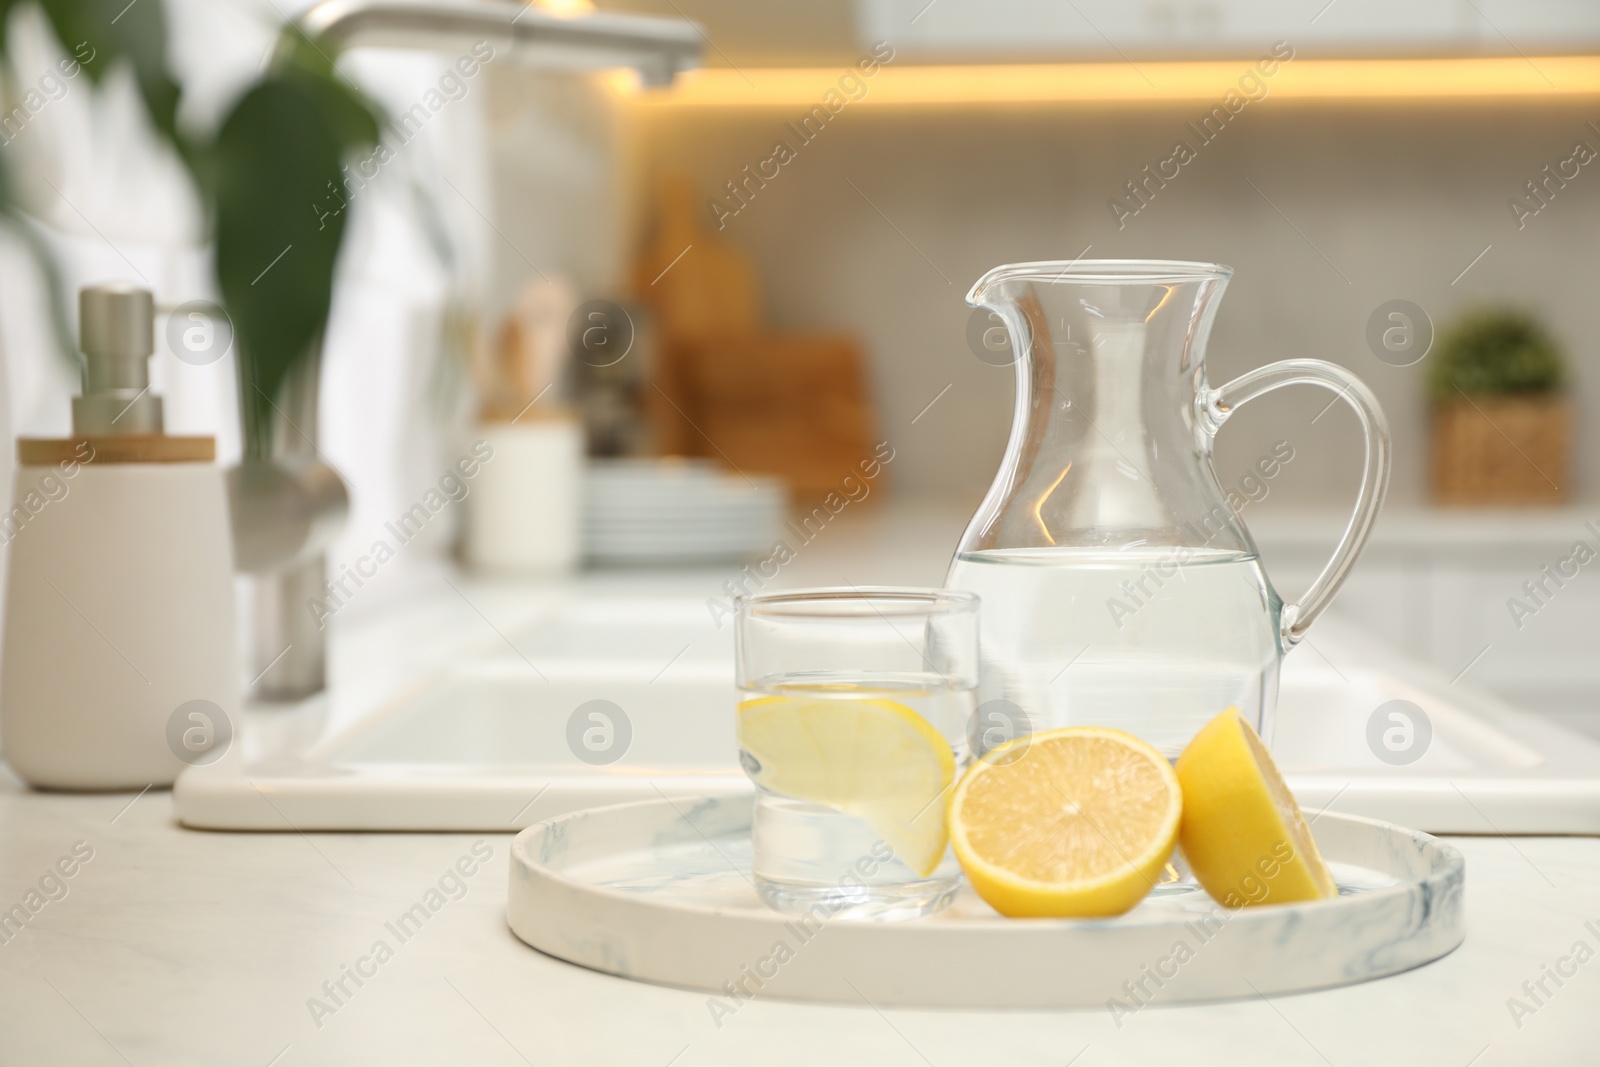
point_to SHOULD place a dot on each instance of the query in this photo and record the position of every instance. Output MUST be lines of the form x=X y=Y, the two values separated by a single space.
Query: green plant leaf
x=23 y=228
x=278 y=234
x=280 y=214
x=97 y=33
x=351 y=115
x=5 y=21
x=1496 y=351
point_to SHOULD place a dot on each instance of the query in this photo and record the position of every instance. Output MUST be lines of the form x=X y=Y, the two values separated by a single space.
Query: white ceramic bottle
x=119 y=659
x=524 y=512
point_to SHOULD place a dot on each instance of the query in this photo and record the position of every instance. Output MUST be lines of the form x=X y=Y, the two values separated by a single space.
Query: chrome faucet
x=658 y=48
x=288 y=503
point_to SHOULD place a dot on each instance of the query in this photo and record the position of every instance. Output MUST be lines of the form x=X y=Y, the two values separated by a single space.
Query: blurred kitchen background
x=785 y=330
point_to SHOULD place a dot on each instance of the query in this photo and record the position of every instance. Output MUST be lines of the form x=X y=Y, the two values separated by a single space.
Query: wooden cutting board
x=698 y=284
x=728 y=388
x=789 y=405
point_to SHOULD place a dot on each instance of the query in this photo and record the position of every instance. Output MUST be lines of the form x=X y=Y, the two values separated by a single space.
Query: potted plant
x=263 y=172
x=1502 y=427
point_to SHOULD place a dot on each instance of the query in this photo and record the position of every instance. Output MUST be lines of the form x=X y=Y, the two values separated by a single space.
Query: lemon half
x=1242 y=833
x=875 y=759
x=1078 y=821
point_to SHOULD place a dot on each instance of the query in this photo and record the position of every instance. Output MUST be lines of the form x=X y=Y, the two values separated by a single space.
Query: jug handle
x=1217 y=404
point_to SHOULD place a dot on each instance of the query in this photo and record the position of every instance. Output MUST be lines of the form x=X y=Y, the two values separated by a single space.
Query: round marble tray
x=659 y=891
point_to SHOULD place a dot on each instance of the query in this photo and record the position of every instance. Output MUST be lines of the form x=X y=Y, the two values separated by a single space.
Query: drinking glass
x=855 y=706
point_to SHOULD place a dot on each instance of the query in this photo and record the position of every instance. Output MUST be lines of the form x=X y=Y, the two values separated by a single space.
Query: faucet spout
x=658 y=48
x=287 y=504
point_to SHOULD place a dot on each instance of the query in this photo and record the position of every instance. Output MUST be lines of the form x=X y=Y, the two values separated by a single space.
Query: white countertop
x=177 y=947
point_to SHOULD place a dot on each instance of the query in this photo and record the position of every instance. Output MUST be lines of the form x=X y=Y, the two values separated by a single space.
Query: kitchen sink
x=496 y=734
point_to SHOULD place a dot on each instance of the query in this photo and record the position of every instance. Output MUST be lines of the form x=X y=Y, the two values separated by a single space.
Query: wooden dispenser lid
x=118 y=448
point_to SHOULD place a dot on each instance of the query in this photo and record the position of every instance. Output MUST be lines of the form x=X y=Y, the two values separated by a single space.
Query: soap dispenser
x=119 y=665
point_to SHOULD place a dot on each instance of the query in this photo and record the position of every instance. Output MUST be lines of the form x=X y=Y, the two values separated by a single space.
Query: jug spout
x=998 y=285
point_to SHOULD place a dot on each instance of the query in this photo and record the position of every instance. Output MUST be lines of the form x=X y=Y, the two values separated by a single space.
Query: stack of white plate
x=677 y=511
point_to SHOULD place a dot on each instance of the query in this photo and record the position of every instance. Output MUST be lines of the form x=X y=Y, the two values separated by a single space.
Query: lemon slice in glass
x=872 y=758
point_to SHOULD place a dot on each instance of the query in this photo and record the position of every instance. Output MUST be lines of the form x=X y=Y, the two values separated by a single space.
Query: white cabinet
x=998 y=30
x=1437 y=585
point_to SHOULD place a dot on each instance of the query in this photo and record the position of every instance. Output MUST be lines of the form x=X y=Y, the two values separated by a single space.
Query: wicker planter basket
x=1501 y=450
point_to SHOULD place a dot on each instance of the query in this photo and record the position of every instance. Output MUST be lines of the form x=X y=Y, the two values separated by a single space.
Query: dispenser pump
x=116 y=329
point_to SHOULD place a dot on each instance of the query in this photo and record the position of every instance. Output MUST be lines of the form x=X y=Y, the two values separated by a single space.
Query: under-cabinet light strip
x=1064 y=83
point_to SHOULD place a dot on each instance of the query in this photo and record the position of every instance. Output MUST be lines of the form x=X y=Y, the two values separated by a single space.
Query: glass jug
x=1118 y=587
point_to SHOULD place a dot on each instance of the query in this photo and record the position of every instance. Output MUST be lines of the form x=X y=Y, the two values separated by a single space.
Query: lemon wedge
x=1078 y=821
x=1242 y=832
x=872 y=758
